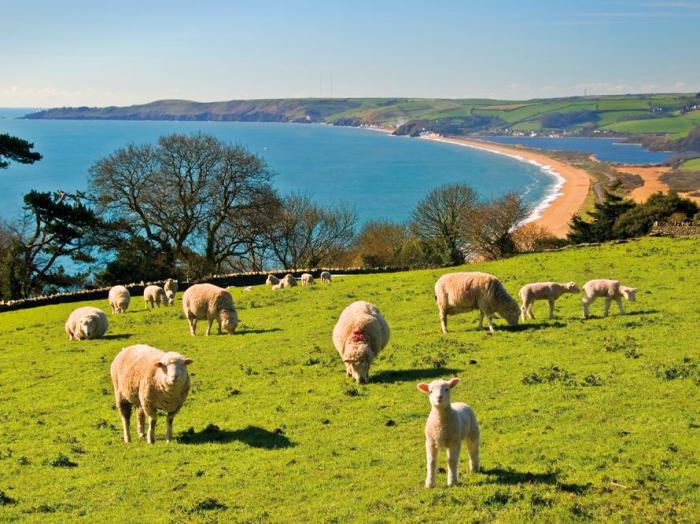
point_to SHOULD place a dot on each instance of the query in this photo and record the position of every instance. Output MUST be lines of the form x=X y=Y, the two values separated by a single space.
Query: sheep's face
x=630 y=293
x=511 y=313
x=271 y=280
x=572 y=287
x=439 y=391
x=359 y=368
x=173 y=366
x=228 y=323
x=88 y=327
x=358 y=356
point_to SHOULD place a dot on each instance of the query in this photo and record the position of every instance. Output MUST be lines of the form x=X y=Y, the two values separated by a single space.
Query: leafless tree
x=488 y=233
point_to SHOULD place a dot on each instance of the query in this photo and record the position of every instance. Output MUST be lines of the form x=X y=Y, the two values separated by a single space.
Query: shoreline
x=563 y=200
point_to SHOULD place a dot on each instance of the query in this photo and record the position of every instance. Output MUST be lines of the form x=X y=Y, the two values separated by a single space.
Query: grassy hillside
x=580 y=420
x=692 y=165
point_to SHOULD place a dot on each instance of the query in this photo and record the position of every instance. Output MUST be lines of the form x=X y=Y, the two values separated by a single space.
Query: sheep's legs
x=619 y=304
x=193 y=325
x=169 y=428
x=473 y=447
x=523 y=312
x=141 y=422
x=151 y=437
x=481 y=320
x=586 y=304
x=607 y=306
x=551 y=309
x=125 y=413
x=431 y=453
x=489 y=319
x=443 y=321
x=453 y=464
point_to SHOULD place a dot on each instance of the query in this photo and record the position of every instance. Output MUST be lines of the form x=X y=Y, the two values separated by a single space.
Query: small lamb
x=307 y=279
x=154 y=295
x=447 y=426
x=209 y=302
x=272 y=280
x=119 y=298
x=86 y=323
x=325 y=277
x=149 y=379
x=549 y=291
x=609 y=290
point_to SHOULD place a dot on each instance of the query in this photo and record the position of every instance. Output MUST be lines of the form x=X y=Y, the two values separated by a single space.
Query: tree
x=599 y=227
x=439 y=221
x=638 y=220
x=380 y=243
x=16 y=150
x=489 y=233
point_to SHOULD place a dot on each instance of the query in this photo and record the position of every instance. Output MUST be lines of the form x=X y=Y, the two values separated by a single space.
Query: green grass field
x=691 y=165
x=580 y=420
x=676 y=126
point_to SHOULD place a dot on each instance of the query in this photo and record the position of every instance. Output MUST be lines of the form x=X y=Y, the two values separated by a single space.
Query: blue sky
x=101 y=53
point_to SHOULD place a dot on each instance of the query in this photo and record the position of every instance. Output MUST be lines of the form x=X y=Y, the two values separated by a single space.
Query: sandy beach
x=554 y=213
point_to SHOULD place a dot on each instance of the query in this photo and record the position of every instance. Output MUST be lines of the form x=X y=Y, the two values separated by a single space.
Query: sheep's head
x=511 y=312
x=229 y=321
x=173 y=366
x=88 y=326
x=271 y=279
x=357 y=355
x=630 y=293
x=439 y=391
x=572 y=287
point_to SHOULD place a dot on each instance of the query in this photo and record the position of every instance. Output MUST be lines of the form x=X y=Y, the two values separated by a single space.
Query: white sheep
x=154 y=295
x=307 y=279
x=286 y=282
x=447 y=427
x=326 y=277
x=86 y=323
x=171 y=285
x=169 y=297
x=549 y=291
x=272 y=280
x=359 y=335
x=119 y=298
x=609 y=290
x=460 y=292
x=209 y=302
x=149 y=379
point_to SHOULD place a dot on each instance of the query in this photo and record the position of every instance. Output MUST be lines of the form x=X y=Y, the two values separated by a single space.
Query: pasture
x=580 y=420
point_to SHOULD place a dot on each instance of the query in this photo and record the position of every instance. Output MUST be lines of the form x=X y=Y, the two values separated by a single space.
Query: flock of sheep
x=150 y=379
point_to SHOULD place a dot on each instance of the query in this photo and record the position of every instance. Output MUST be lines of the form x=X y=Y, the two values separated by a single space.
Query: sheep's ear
x=453 y=382
x=161 y=366
x=425 y=388
x=188 y=361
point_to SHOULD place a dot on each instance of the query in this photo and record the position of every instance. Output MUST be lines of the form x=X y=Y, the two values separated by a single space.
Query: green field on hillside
x=580 y=420
x=677 y=126
x=691 y=165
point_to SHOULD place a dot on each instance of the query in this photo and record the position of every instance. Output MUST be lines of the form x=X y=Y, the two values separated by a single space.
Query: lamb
x=169 y=297
x=286 y=282
x=86 y=323
x=170 y=285
x=154 y=295
x=272 y=280
x=550 y=291
x=608 y=289
x=325 y=277
x=360 y=334
x=447 y=426
x=460 y=292
x=119 y=298
x=307 y=279
x=209 y=302
x=149 y=379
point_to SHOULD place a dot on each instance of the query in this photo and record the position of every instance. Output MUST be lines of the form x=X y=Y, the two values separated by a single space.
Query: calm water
x=606 y=149
x=379 y=175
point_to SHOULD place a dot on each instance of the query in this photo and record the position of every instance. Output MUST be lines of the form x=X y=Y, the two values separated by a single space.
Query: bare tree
x=488 y=233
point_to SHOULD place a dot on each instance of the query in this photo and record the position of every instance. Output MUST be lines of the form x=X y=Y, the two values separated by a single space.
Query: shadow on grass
x=253 y=436
x=534 y=326
x=512 y=477
x=625 y=314
x=116 y=337
x=409 y=375
x=253 y=331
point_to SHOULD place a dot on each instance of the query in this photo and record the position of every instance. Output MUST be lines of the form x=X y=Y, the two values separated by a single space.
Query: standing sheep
x=360 y=334
x=325 y=277
x=272 y=280
x=119 y=298
x=86 y=323
x=149 y=379
x=447 y=426
x=460 y=292
x=608 y=289
x=209 y=302
x=550 y=291
x=154 y=295
x=307 y=279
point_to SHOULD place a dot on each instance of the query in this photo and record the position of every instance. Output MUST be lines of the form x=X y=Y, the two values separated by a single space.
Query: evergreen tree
x=16 y=150
x=599 y=227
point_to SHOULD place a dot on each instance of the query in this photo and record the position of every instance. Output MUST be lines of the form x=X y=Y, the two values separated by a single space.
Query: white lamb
x=460 y=292
x=86 y=323
x=307 y=279
x=286 y=282
x=149 y=379
x=209 y=302
x=447 y=426
x=272 y=280
x=609 y=290
x=119 y=298
x=169 y=297
x=359 y=335
x=549 y=291
x=154 y=295
x=326 y=277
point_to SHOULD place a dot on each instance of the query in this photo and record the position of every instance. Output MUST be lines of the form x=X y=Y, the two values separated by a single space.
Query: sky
x=72 y=53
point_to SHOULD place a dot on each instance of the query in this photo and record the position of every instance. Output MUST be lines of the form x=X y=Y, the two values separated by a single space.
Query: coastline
x=565 y=198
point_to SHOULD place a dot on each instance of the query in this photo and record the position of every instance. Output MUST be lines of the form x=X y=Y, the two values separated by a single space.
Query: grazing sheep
x=609 y=290
x=549 y=291
x=209 y=302
x=272 y=280
x=360 y=334
x=119 y=298
x=325 y=277
x=460 y=292
x=170 y=285
x=149 y=379
x=154 y=295
x=447 y=426
x=169 y=297
x=86 y=323
x=307 y=279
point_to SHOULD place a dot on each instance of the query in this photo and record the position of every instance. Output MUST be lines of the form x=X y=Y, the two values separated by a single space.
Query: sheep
x=272 y=280
x=460 y=292
x=170 y=285
x=550 y=291
x=154 y=295
x=608 y=289
x=149 y=379
x=325 y=277
x=86 y=323
x=359 y=335
x=119 y=298
x=447 y=426
x=209 y=302
x=169 y=297
x=286 y=282
x=307 y=279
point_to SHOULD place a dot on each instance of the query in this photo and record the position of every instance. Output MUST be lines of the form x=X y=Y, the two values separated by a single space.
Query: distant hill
x=670 y=115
